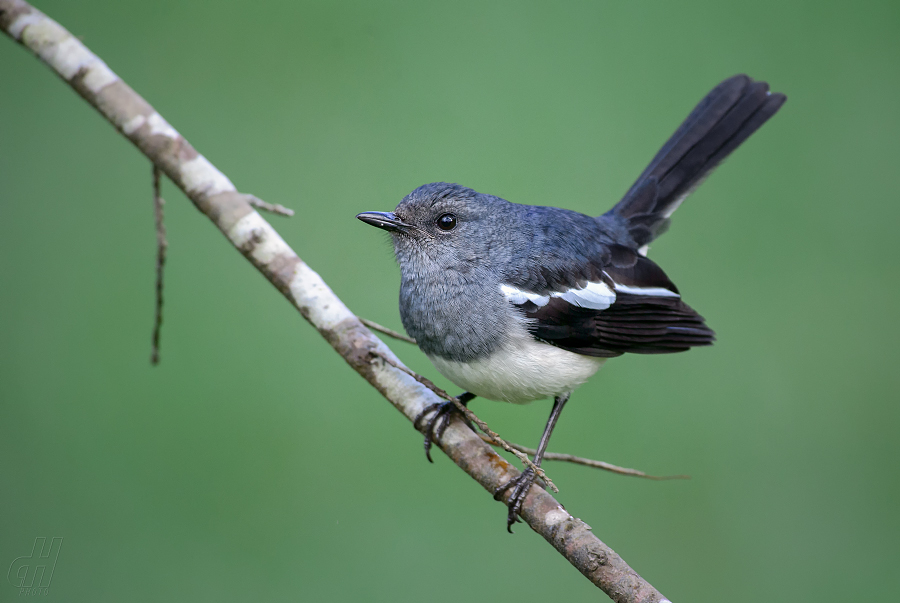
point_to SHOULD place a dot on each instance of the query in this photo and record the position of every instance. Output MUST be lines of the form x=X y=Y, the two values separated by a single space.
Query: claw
x=443 y=423
x=425 y=411
x=498 y=493
x=437 y=424
x=520 y=485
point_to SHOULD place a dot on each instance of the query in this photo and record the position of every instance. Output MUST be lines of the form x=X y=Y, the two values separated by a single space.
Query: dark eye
x=447 y=222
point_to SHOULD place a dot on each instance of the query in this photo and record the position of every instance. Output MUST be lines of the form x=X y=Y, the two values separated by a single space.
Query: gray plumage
x=572 y=281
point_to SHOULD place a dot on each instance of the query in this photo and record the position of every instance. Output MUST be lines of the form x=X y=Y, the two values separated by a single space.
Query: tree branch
x=214 y=195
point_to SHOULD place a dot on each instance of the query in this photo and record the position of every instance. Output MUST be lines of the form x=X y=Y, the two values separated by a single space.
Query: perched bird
x=522 y=302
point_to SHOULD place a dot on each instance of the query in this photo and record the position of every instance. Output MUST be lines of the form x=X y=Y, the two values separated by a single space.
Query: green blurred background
x=252 y=464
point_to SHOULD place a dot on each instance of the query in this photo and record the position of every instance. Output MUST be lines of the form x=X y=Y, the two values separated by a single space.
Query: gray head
x=443 y=227
x=452 y=245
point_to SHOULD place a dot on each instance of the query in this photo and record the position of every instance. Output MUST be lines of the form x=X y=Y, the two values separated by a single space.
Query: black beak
x=384 y=219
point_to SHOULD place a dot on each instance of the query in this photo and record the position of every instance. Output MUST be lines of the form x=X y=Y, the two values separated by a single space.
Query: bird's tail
x=728 y=115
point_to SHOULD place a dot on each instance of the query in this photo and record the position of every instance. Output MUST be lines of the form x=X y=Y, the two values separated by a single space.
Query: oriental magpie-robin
x=521 y=302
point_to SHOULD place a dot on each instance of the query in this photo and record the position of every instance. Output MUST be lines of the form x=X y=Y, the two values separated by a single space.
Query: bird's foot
x=441 y=413
x=520 y=485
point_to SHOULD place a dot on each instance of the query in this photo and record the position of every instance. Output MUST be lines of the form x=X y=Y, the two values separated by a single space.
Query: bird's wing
x=626 y=303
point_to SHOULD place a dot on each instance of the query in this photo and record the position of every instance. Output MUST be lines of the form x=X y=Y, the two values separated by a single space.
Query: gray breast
x=454 y=316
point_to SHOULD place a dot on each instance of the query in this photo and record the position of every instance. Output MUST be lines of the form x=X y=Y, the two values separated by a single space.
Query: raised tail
x=728 y=115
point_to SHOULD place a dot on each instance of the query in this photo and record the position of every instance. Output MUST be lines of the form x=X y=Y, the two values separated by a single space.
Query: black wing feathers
x=629 y=268
x=636 y=322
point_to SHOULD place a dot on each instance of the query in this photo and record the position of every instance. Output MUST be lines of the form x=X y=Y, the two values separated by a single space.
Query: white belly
x=520 y=372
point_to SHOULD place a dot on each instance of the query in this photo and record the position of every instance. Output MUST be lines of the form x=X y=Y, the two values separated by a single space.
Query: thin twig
x=390 y=333
x=494 y=438
x=274 y=208
x=560 y=456
x=161 y=246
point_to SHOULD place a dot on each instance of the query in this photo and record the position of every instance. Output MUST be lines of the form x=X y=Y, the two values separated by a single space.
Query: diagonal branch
x=214 y=195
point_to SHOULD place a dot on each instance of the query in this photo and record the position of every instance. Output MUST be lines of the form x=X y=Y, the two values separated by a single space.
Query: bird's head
x=445 y=226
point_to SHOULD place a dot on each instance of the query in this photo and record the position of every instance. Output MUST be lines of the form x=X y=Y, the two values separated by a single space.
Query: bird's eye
x=447 y=222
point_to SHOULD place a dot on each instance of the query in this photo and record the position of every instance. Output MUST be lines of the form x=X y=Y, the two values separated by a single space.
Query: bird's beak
x=384 y=219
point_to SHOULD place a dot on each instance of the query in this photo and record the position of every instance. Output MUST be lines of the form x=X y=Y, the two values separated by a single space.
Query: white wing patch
x=652 y=291
x=519 y=297
x=594 y=296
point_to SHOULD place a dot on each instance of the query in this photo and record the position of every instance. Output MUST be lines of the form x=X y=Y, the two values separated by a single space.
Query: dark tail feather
x=728 y=115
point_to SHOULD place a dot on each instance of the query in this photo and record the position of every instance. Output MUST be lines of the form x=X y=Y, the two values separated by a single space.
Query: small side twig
x=274 y=208
x=494 y=438
x=569 y=458
x=161 y=246
x=390 y=333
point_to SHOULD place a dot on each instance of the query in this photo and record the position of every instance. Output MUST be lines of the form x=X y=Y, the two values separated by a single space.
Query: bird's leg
x=440 y=419
x=522 y=483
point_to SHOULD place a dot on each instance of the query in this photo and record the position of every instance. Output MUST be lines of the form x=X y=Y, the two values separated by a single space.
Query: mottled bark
x=233 y=213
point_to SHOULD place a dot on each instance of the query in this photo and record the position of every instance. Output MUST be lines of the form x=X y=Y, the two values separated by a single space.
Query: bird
x=517 y=303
